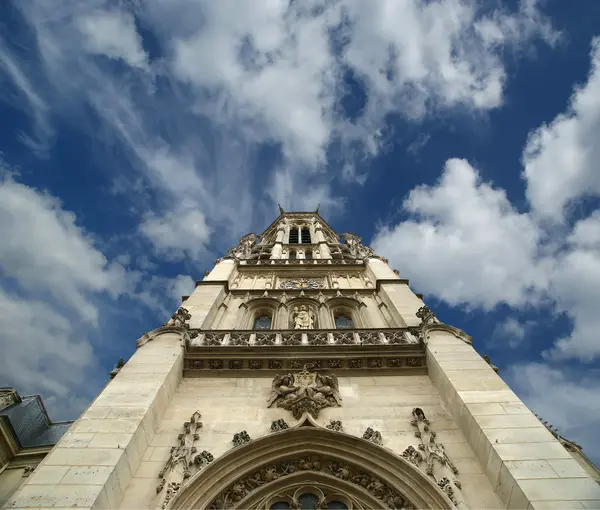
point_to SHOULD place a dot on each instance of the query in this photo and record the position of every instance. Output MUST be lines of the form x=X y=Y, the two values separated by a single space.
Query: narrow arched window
x=292 y=255
x=308 y=254
x=305 y=235
x=343 y=322
x=262 y=322
x=294 y=235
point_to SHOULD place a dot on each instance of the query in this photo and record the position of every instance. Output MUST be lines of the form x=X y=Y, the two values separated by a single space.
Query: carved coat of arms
x=305 y=391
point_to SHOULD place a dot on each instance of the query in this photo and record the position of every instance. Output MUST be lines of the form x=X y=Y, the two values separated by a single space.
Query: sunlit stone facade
x=303 y=372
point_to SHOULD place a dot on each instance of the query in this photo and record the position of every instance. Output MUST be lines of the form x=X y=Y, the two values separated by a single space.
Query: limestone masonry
x=303 y=372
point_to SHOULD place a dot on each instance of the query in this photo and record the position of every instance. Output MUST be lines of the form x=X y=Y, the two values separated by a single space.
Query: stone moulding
x=373 y=475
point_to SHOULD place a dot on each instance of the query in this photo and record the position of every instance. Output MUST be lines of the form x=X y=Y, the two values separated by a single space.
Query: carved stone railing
x=307 y=338
x=299 y=262
x=387 y=349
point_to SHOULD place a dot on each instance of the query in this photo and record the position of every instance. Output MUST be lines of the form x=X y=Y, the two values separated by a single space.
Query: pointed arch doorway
x=310 y=467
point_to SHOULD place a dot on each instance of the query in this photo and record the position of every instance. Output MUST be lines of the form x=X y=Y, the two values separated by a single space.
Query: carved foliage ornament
x=302 y=283
x=305 y=391
x=349 y=473
x=183 y=461
x=432 y=458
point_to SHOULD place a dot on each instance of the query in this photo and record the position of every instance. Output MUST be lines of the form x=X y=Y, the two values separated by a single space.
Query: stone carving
x=235 y=364
x=374 y=436
x=374 y=362
x=426 y=315
x=305 y=391
x=413 y=362
x=244 y=249
x=8 y=396
x=241 y=438
x=335 y=425
x=279 y=425
x=394 y=362
x=302 y=283
x=215 y=364
x=28 y=470
x=303 y=318
x=355 y=363
x=255 y=364
x=291 y=339
x=179 y=317
x=488 y=360
x=275 y=364
x=318 y=339
x=432 y=457
x=344 y=338
x=334 y=363
x=182 y=462
x=265 y=339
x=237 y=491
x=355 y=246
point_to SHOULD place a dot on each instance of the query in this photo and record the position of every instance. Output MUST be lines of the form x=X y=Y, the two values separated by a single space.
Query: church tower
x=303 y=372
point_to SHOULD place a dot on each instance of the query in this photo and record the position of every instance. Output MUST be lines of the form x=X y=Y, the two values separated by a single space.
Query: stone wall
x=230 y=405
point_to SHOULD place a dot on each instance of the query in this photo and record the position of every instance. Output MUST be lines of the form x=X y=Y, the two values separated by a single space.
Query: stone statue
x=303 y=318
x=305 y=391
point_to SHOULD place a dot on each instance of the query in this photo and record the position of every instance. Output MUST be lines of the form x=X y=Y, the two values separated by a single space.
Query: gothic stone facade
x=303 y=372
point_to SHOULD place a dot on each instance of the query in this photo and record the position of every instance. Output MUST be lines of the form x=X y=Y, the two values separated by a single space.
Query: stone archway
x=371 y=475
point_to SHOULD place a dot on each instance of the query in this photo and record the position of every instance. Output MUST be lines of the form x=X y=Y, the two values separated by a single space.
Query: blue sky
x=139 y=140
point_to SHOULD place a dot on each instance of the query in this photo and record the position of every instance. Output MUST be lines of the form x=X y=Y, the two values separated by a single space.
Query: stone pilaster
x=92 y=464
x=526 y=465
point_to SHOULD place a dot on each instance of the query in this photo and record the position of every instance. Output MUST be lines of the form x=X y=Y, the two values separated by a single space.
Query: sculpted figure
x=282 y=386
x=303 y=318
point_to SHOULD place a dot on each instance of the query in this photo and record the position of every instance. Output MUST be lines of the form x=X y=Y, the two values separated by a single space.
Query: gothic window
x=262 y=322
x=308 y=501
x=343 y=322
x=294 y=235
x=292 y=255
x=305 y=235
x=308 y=254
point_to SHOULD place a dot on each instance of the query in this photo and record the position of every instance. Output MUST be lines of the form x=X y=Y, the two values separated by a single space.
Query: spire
x=317 y=211
x=281 y=211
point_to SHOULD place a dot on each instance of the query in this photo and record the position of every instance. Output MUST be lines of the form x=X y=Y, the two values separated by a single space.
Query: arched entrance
x=309 y=466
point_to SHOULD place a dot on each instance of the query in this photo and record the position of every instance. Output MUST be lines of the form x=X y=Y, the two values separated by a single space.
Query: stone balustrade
x=307 y=338
x=299 y=262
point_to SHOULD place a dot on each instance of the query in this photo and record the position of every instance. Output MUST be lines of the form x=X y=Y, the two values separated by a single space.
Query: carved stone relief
x=389 y=497
x=432 y=458
x=279 y=425
x=335 y=425
x=303 y=318
x=373 y=435
x=182 y=462
x=355 y=247
x=244 y=249
x=302 y=283
x=179 y=318
x=241 y=438
x=305 y=391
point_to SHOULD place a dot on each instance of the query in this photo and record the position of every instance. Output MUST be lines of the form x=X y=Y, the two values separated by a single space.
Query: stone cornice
x=225 y=283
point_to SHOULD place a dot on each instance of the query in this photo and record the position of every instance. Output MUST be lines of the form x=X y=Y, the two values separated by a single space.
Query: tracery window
x=343 y=322
x=305 y=235
x=294 y=236
x=262 y=322
x=308 y=501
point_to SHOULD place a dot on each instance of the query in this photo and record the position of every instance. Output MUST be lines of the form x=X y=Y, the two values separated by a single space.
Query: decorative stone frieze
x=305 y=392
x=373 y=435
x=302 y=283
x=432 y=458
x=182 y=462
x=279 y=425
x=241 y=438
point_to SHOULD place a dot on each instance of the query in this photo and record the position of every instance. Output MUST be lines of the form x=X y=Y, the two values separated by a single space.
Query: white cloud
x=178 y=234
x=567 y=398
x=511 y=332
x=224 y=85
x=466 y=243
x=113 y=34
x=47 y=253
x=561 y=158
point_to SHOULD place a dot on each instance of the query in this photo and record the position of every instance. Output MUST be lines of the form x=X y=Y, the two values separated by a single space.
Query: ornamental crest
x=302 y=283
x=305 y=391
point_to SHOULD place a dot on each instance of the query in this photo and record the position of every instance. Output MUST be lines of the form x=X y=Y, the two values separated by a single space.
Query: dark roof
x=30 y=423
